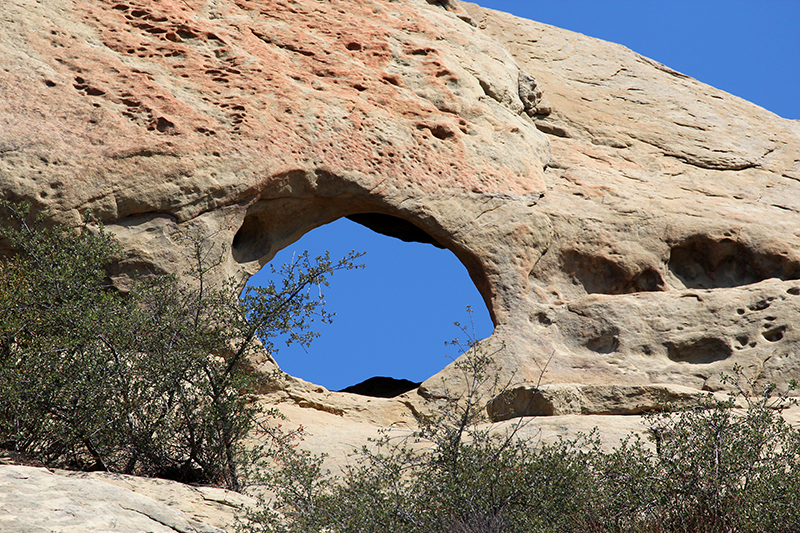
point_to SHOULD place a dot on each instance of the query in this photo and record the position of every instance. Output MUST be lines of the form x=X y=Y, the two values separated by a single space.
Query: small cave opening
x=705 y=263
x=393 y=317
x=601 y=275
x=250 y=241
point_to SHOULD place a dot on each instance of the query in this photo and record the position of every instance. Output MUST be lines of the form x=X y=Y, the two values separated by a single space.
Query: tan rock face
x=674 y=252
x=256 y=121
x=632 y=231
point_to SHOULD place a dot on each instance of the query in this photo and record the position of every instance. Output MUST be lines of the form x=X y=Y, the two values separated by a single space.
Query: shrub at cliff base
x=711 y=468
x=153 y=382
x=156 y=382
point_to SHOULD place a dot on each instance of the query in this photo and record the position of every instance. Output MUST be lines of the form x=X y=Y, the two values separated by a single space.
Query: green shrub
x=453 y=474
x=711 y=468
x=154 y=382
x=719 y=468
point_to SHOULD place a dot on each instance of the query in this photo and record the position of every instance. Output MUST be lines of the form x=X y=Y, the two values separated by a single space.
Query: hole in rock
x=608 y=343
x=600 y=275
x=163 y=124
x=774 y=334
x=392 y=317
x=705 y=263
x=742 y=341
x=699 y=351
x=761 y=304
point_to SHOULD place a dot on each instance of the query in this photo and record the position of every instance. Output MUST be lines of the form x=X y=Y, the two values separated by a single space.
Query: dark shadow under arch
x=394 y=227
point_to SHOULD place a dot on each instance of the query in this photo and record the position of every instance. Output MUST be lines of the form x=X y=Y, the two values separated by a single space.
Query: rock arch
x=392 y=318
x=270 y=224
x=251 y=129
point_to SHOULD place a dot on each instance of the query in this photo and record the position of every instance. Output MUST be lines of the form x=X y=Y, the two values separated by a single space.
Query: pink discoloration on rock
x=259 y=88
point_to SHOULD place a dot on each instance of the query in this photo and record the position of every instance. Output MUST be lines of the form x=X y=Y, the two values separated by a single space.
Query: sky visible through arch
x=394 y=317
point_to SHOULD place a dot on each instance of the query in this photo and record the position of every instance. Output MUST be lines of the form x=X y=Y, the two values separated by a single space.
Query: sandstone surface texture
x=633 y=232
x=673 y=210
x=36 y=500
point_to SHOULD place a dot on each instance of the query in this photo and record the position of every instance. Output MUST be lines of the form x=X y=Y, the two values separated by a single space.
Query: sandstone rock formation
x=673 y=251
x=632 y=230
x=258 y=121
x=35 y=500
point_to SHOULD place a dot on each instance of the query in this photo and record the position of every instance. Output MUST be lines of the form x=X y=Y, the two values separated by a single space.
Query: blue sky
x=750 y=48
x=394 y=316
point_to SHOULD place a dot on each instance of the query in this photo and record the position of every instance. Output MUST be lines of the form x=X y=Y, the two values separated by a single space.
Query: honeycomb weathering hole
x=701 y=351
x=705 y=263
x=601 y=275
x=392 y=317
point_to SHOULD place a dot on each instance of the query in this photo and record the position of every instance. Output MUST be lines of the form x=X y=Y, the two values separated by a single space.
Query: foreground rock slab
x=35 y=500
